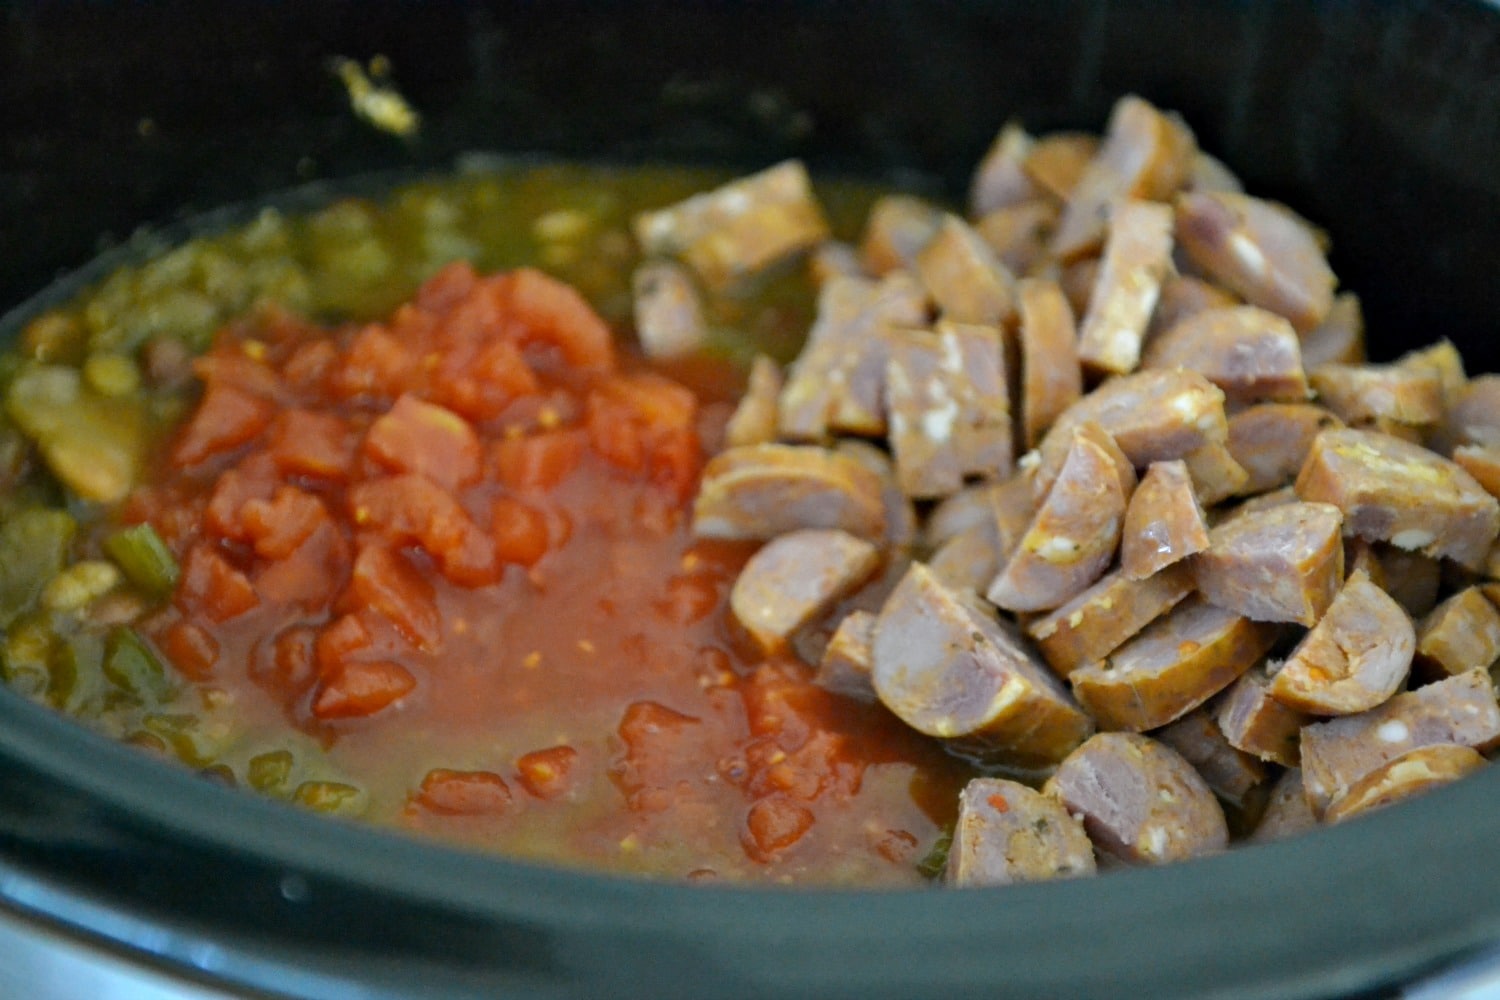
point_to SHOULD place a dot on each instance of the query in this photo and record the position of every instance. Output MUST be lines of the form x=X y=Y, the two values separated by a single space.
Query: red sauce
x=454 y=548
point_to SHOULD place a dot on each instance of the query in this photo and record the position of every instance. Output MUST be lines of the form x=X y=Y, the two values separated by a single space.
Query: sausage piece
x=1164 y=523
x=896 y=230
x=834 y=259
x=1459 y=634
x=1145 y=154
x=1137 y=256
x=1281 y=564
x=1338 y=753
x=847 y=659
x=1103 y=617
x=1411 y=578
x=1287 y=812
x=668 y=310
x=1270 y=441
x=1057 y=160
x=1252 y=354
x=947 y=407
x=1253 y=721
x=964 y=277
x=1000 y=179
x=838 y=381
x=948 y=669
x=1354 y=658
x=1340 y=338
x=1229 y=772
x=1364 y=393
x=1473 y=416
x=1072 y=538
x=1019 y=233
x=762 y=491
x=1483 y=463
x=1259 y=250
x=740 y=228
x=795 y=578
x=1140 y=800
x=1051 y=375
x=900 y=513
x=754 y=419
x=969 y=560
x=1412 y=774
x=1179 y=662
x=1008 y=833
x=1394 y=491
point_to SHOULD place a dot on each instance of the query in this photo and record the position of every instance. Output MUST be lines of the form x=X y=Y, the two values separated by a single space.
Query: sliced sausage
x=1076 y=280
x=1473 y=416
x=1208 y=173
x=1411 y=578
x=1216 y=475
x=795 y=578
x=1270 y=441
x=964 y=277
x=958 y=513
x=1340 y=338
x=1000 y=179
x=1019 y=233
x=1392 y=490
x=1281 y=564
x=740 y=228
x=1229 y=772
x=896 y=229
x=1137 y=256
x=1338 y=753
x=847 y=659
x=947 y=407
x=1362 y=393
x=1253 y=721
x=754 y=419
x=1164 y=523
x=1057 y=160
x=1250 y=353
x=1145 y=154
x=1261 y=251
x=1183 y=295
x=1414 y=773
x=1008 y=833
x=1102 y=618
x=1287 y=812
x=1140 y=800
x=1481 y=461
x=1354 y=658
x=762 y=491
x=1072 y=538
x=969 y=560
x=900 y=513
x=1459 y=634
x=1051 y=375
x=837 y=383
x=834 y=259
x=668 y=310
x=949 y=669
x=1442 y=359
x=1179 y=662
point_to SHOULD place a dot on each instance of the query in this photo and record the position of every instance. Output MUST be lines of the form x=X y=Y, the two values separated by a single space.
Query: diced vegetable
x=145 y=559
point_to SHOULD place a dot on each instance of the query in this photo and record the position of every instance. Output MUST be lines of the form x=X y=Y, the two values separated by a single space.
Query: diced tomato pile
x=471 y=517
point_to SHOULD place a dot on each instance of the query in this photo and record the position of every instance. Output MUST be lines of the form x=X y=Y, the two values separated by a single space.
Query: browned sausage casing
x=1413 y=773
x=1102 y=618
x=765 y=490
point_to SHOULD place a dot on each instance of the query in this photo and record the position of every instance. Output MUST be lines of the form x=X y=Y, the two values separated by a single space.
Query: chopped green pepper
x=145 y=558
x=132 y=667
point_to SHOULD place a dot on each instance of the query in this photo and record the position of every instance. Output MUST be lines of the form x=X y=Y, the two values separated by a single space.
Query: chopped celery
x=33 y=549
x=145 y=558
x=131 y=666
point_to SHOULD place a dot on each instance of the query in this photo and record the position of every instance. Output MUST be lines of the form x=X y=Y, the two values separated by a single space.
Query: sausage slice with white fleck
x=1137 y=256
x=964 y=277
x=1057 y=160
x=1019 y=233
x=1102 y=618
x=847 y=659
x=1051 y=375
x=1216 y=475
x=1394 y=491
x=754 y=419
x=793 y=579
x=1363 y=393
x=1461 y=633
x=896 y=230
x=1481 y=461
x=762 y=491
x=1270 y=441
x=949 y=669
x=1008 y=833
x=1072 y=538
x=1354 y=658
x=1250 y=353
x=1282 y=564
x=1287 y=812
x=1164 y=523
x=1140 y=800
x=1260 y=250
x=1258 y=724
x=1179 y=662
x=1412 y=774
x=1230 y=772
x=1340 y=752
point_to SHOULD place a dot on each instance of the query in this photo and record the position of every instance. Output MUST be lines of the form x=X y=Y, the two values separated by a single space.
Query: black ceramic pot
x=1379 y=120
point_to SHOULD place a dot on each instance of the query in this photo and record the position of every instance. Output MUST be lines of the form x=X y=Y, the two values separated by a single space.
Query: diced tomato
x=340 y=641
x=657 y=402
x=229 y=365
x=226 y=418
x=520 y=531
x=774 y=824
x=362 y=688
x=470 y=561
x=547 y=774
x=309 y=365
x=376 y=366
x=430 y=440
x=387 y=583
x=646 y=423
x=545 y=310
x=464 y=793
x=191 y=650
x=656 y=738
x=276 y=527
x=210 y=585
x=309 y=443
x=292 y=667
x=615 y=436
x=537 y=462
x=411 y=508
x=448 y=285
x=482 y=386
x=310 y=575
